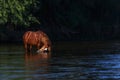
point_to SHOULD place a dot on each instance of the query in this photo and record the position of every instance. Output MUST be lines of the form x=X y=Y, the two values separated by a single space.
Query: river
x=68 y=61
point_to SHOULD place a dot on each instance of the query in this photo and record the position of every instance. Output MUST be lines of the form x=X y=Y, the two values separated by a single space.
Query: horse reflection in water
x=37 y=64
x=38 y=39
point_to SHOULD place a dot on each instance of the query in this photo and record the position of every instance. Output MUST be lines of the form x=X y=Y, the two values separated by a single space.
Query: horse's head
x=43 y=50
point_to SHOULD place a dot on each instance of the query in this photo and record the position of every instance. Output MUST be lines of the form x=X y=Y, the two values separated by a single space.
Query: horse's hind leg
x=30 y=48
x=26 y=48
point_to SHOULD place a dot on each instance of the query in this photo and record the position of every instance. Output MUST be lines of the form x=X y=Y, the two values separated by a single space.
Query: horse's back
x=35 y=36
x=41 y=33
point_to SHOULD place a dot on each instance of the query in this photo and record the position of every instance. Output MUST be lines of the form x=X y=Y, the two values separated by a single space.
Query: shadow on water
x=86 y=61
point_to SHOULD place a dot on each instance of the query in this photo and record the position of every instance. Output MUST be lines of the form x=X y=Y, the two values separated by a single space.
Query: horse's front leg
x=38 y=47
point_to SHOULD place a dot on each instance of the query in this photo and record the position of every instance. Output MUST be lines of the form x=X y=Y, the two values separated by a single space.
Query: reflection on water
x=98 y=63
x=37 y=64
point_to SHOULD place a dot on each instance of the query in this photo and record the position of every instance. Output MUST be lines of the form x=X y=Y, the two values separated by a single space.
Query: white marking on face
x=46 y=49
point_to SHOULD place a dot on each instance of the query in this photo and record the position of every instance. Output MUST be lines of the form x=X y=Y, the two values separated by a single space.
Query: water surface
x=89 y=61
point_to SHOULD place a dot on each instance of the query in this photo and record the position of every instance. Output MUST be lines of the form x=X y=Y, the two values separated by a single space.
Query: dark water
x=98 y=62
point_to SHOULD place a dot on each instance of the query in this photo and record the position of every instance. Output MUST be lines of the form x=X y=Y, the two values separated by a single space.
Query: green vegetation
x=18 y=12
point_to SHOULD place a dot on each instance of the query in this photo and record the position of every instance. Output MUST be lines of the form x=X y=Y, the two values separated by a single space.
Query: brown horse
x=38 y=39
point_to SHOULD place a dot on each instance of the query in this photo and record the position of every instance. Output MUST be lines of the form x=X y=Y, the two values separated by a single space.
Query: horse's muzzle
x=44 y=51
